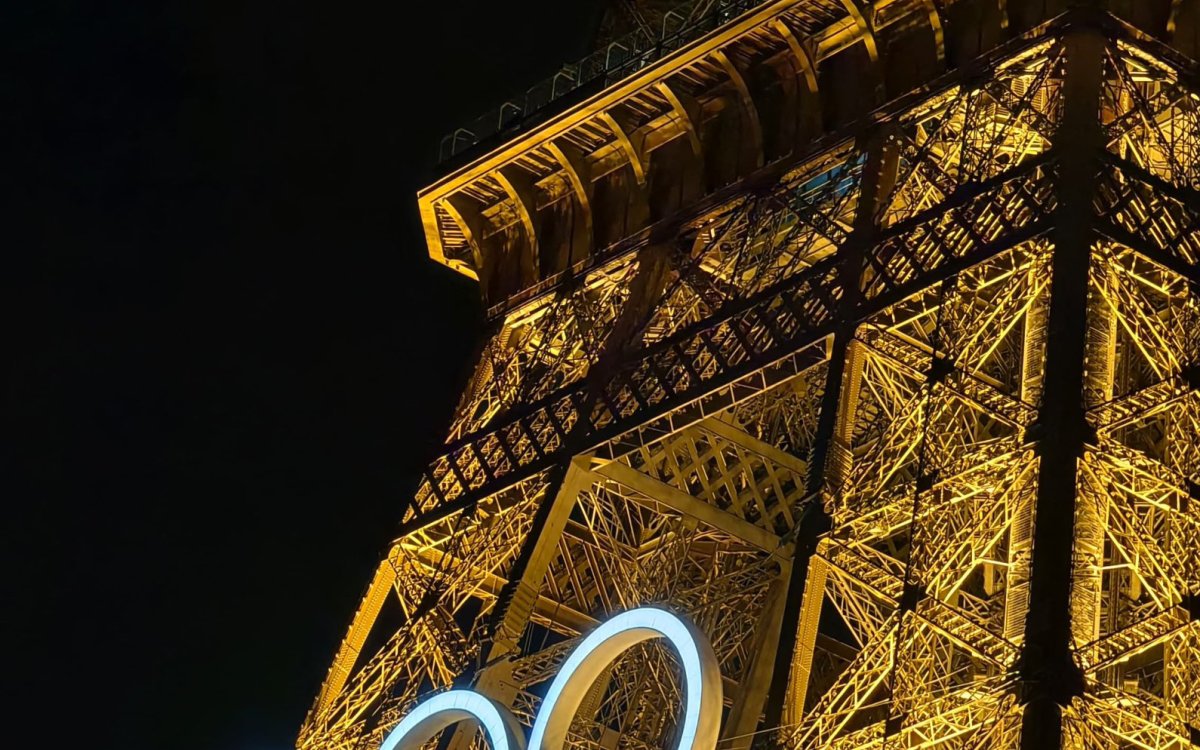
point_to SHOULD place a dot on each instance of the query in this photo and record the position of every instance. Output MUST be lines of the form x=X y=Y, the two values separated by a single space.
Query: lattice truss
x=652 y=431
x=689 y=511
x=924 y=576
x=1135 y=619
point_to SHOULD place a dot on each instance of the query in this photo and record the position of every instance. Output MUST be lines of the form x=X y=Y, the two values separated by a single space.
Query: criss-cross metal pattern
x=826 y=417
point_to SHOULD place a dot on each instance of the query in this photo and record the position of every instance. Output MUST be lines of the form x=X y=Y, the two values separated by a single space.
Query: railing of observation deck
x=621 y=58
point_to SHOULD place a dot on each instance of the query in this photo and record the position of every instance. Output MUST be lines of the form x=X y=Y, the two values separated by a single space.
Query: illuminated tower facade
x=864 y=334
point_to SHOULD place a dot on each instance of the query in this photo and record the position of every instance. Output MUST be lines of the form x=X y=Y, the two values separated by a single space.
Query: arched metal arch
x=701 y=722
x=442 y=710
x=934 y=11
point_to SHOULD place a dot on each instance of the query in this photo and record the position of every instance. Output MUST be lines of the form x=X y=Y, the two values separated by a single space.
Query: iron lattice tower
x=866 y=334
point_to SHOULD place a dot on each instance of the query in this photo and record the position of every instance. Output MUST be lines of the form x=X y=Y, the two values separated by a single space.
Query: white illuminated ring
x=426 y=720
x=701 y=677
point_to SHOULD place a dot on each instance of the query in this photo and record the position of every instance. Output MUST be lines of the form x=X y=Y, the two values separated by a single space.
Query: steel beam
x=1050 y=677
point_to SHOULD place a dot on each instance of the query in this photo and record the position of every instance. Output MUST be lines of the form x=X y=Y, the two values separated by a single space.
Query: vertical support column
x=754 y=683
x=1092 y=503
x=1048 y=673
x=877 y=173
x=1020 y=535
x=806 y=639
x=836 y=465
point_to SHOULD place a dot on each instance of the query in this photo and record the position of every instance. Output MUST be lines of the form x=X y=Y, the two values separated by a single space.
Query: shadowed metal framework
x=867 y=335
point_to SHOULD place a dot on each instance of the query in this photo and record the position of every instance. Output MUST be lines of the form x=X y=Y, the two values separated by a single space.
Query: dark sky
x=232 y=356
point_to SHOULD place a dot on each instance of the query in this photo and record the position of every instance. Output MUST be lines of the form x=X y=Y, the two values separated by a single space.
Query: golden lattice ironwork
x=867 y=335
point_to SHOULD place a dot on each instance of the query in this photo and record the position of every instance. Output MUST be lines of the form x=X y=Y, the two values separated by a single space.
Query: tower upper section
x=732 y=96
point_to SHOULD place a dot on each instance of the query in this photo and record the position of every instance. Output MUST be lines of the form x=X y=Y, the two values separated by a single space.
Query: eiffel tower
x=864 y=334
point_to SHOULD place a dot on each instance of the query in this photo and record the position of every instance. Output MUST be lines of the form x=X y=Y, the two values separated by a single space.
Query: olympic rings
x=698 y=730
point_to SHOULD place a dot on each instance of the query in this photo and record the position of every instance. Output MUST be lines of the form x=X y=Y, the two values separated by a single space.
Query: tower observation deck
x=865 y=336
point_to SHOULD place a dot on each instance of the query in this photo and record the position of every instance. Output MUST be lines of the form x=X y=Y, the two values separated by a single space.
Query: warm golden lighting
x=866 y=336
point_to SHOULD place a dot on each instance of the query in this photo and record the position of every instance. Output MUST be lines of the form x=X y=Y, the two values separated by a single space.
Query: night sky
x=229 y=356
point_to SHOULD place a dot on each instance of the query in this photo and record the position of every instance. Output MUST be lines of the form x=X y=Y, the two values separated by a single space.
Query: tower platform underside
x=866 y=336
